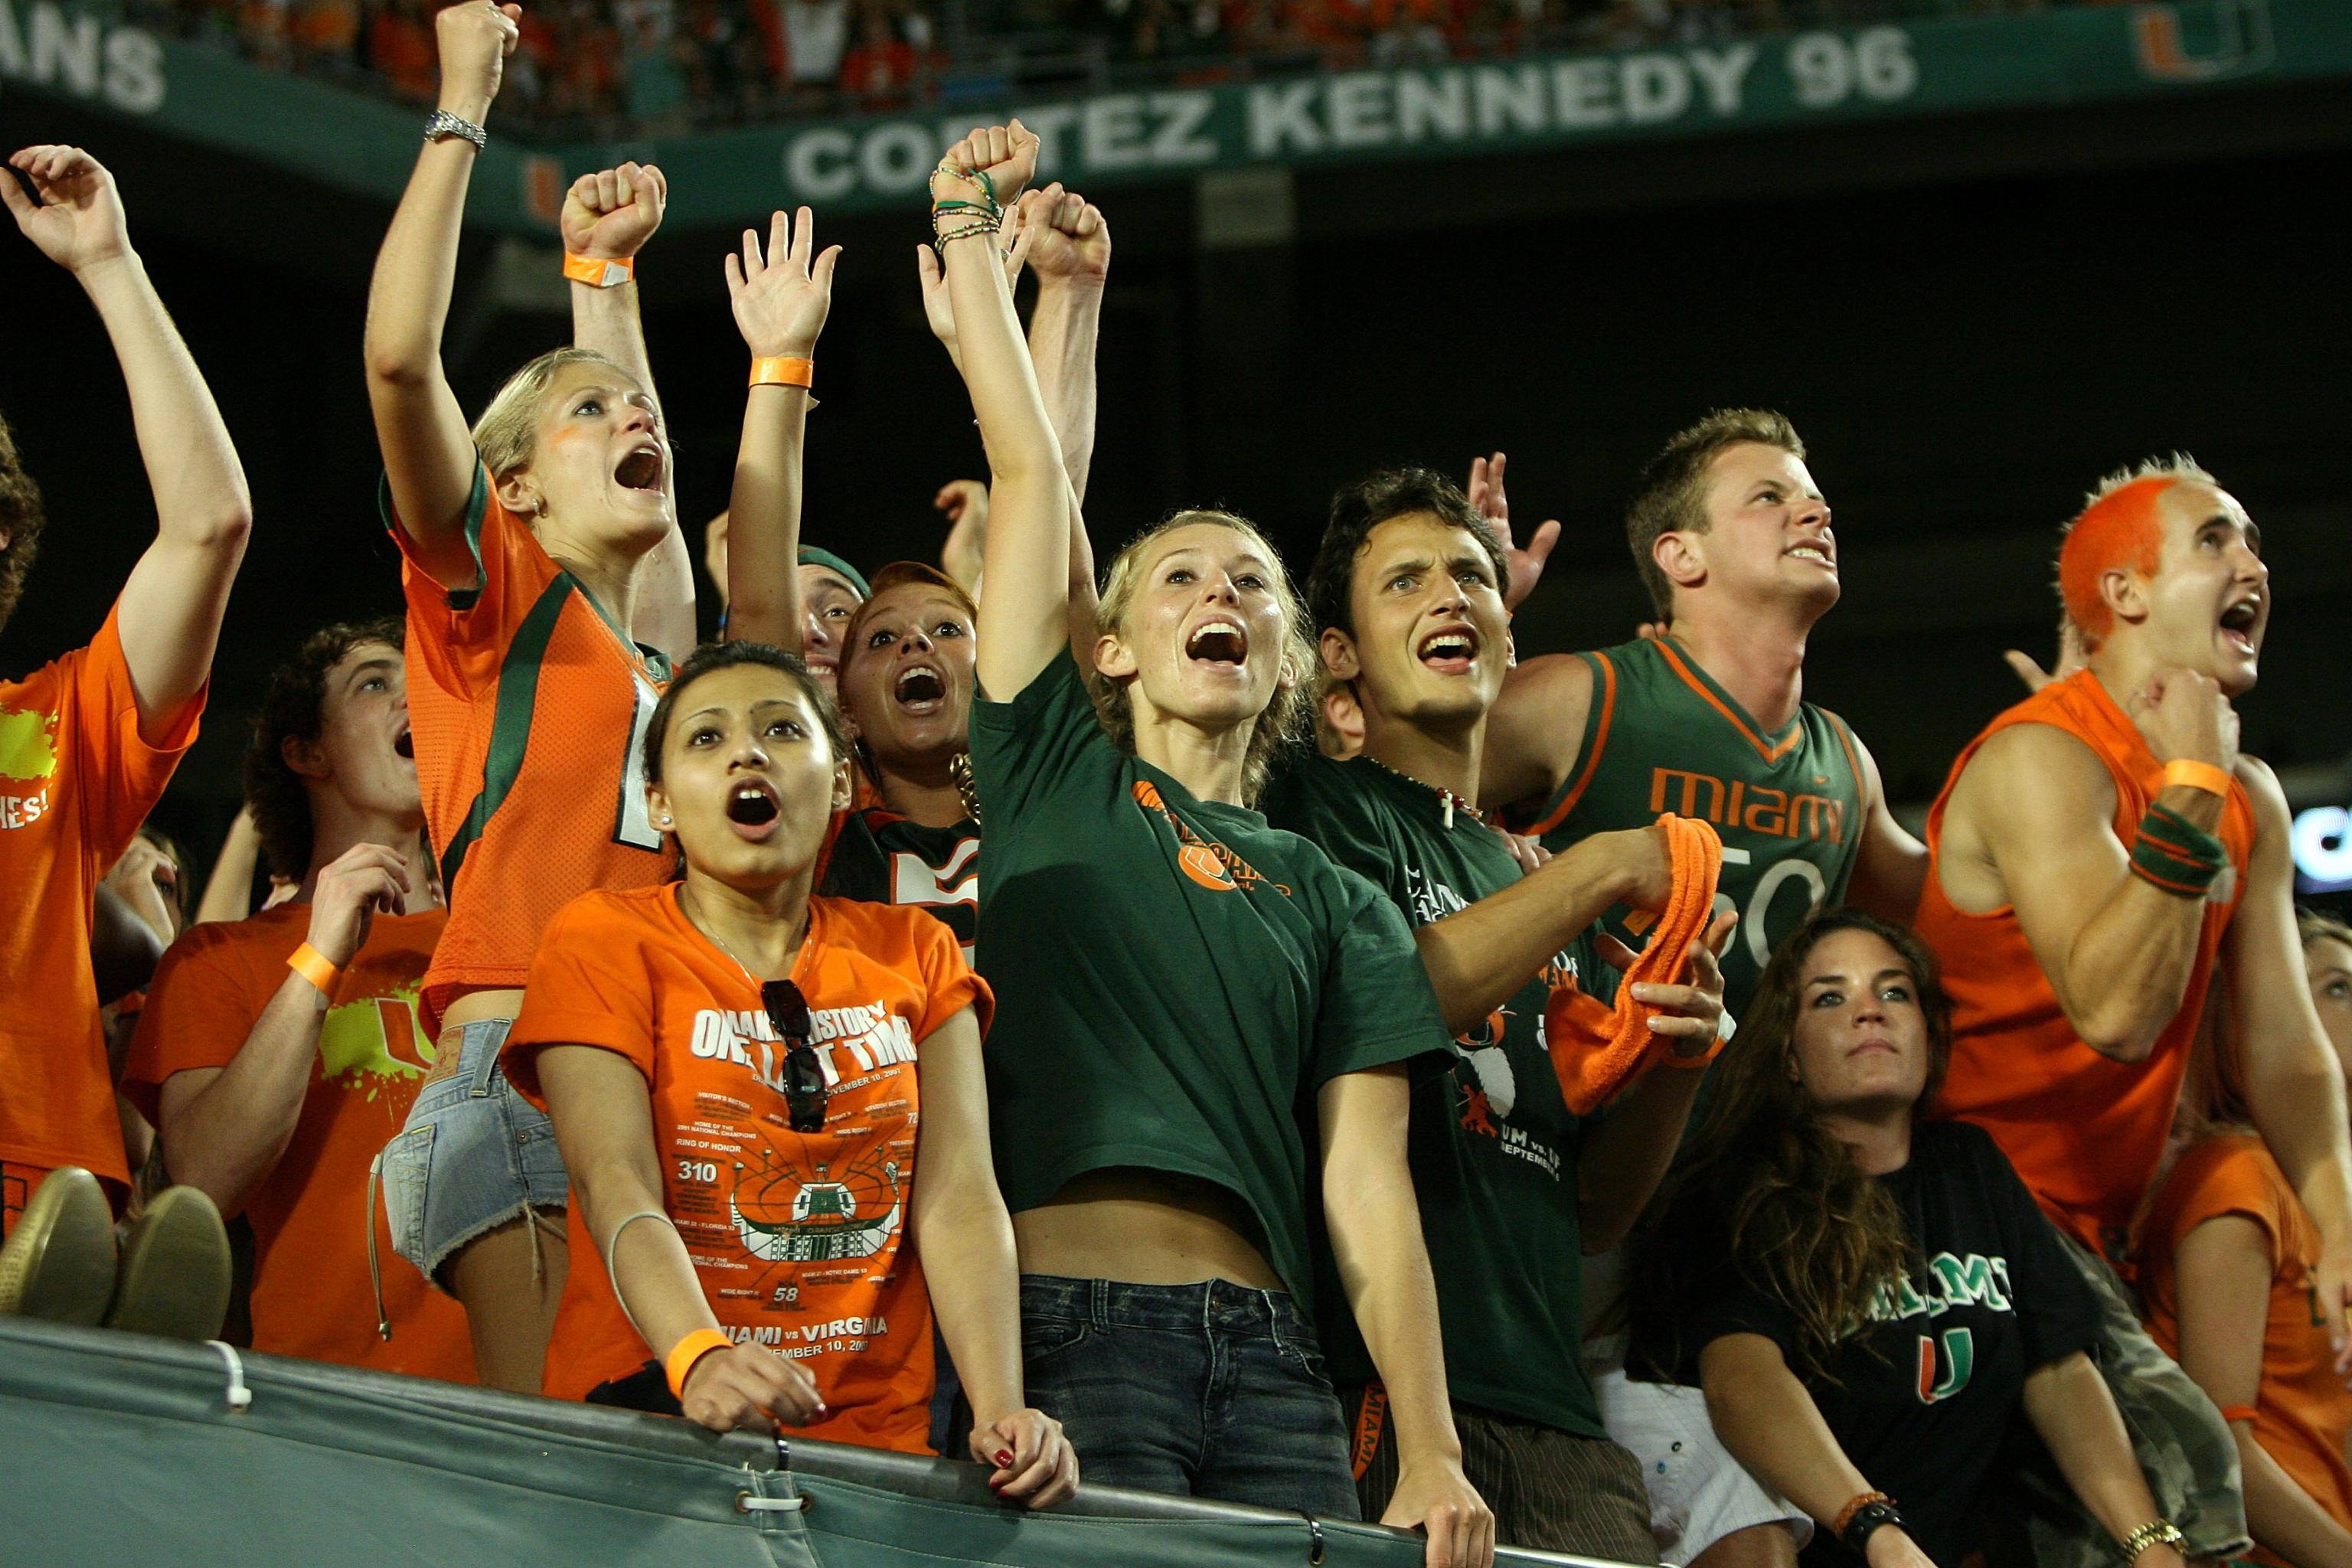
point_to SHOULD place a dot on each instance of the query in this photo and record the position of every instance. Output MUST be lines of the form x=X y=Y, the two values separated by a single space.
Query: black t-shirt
x=1924 y=1417
x=882 y=858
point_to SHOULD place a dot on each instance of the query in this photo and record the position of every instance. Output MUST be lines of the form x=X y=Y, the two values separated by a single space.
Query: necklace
x=1447 y=796
x=702 y=924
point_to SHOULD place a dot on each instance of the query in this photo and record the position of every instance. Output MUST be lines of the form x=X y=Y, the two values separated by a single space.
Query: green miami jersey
x=1492 y=1144
x=880 y=858
x=1175 y=979
x=1660 y=735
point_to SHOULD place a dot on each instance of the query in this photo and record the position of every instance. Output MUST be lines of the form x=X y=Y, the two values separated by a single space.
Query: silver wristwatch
x=444 y=124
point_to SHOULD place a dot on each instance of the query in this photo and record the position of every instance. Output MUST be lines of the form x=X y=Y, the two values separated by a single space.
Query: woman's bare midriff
x=1142 y=1228
x=474 y=1006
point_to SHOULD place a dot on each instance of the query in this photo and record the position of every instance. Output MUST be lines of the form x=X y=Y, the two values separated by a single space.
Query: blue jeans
x=1211 y=1390
x=474 y=1154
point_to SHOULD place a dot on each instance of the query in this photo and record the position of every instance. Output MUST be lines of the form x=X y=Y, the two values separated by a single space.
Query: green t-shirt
x=881 y=857
x=1493 y=1144
x=1174 y=979
x=1661 y=735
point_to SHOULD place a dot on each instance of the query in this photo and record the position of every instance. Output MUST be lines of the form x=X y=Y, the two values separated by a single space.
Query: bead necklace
x=1447 y=795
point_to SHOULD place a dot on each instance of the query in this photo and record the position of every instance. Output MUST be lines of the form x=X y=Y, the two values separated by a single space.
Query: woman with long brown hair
x=1867 y=1300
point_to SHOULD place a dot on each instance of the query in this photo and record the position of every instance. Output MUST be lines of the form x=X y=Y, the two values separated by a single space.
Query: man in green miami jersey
x=1407 y=592
x=1734 y=542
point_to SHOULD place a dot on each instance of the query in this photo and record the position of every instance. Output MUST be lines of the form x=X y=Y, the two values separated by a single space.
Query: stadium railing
x=123 y=1448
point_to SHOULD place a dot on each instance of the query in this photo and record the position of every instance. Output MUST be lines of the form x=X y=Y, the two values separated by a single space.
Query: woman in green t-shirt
x=1203 y=1023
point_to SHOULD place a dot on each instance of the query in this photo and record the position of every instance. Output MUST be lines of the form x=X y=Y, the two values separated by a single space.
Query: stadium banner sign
x=1929 y=66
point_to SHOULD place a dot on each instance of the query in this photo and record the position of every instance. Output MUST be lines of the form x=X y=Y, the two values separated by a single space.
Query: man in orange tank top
x=2097 y=853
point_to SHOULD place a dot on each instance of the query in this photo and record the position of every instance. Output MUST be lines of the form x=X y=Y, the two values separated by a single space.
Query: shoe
x=174 y=1275
x=58 y=1263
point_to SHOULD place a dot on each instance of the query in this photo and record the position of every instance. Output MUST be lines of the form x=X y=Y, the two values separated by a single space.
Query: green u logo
x=1959 y=1361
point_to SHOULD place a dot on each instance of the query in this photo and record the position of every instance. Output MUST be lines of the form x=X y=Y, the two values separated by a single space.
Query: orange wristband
x=315 y=967
x=2238 y=1412
x=783 y=370
x=2196 y=776
x=679 y=1362
x=1846 y=1514
x=598 y=272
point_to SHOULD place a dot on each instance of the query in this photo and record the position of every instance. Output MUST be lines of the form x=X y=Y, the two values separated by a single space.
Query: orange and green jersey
x=76 y=781
x=1660 y=736
x=528 y=706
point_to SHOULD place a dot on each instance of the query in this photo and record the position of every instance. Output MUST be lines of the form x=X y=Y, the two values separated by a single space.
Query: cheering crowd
x=1547 y=1101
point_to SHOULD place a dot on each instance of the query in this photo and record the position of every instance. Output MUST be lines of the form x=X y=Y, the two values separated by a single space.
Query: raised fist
x=75 y=215
x=608 y=215
x=1072 y=241
x=475 y=39
x=1007 y=154
x=2184 y=714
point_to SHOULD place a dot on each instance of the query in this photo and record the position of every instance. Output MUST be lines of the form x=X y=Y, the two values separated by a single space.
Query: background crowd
x=658 y=67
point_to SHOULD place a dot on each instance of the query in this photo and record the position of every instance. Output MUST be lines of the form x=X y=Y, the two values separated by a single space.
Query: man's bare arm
x=2030 y=825
x=1892 y=866
x=1535 y=731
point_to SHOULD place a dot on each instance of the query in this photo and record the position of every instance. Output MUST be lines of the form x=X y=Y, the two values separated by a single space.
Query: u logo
x=1959 y=1358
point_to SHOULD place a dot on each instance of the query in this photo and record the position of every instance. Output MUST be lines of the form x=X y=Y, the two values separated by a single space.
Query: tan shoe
x=58 y=1263
x=174 y=1278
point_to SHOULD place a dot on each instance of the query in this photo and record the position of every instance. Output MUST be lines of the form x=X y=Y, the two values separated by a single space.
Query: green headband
x=817 y=555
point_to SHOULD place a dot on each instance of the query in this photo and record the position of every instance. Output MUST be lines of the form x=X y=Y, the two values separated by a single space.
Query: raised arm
x=1773 y=1427
x=603 y=1119
x=170 y=608
x=2293 y=1084
x=1069 y=255
x=1374 y=1221
x=781 y=303
x=965 y=1237
x=2069 y=1404
x=429 y=452
x=1488 y=498
x=2030 y=825
x=224 y=1128
x=1024 y=613
x=606 y=220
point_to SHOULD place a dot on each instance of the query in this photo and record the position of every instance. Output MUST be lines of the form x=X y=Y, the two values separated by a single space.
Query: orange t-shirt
x=2302 y=1414
x=528 y=709
x=311 y=1295
x=76 y=781
x=2085 y=1130
x=796 y=1236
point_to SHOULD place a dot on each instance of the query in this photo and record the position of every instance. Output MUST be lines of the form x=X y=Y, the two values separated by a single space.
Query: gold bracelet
x=2155 y=1532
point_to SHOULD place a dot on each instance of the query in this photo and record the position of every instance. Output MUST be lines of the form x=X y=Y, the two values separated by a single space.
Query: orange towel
x=1597 y=1050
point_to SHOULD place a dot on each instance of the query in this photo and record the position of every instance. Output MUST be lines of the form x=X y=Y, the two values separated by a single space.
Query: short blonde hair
x=1285 y=719
x=506 y=435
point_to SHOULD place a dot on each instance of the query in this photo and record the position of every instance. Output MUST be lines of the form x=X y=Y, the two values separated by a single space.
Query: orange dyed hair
x=2121 y=525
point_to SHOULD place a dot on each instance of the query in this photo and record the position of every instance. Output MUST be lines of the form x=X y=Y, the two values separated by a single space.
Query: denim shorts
x=474 y=1154
x=1212 y=1390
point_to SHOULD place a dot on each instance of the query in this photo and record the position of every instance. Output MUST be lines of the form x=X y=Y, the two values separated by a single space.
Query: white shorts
x=1698 y=1492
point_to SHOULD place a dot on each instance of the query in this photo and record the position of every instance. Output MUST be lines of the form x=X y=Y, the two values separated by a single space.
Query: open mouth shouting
x=753 y=808
x=1221 y=644
x=404 y=744
x=1448 y=651
x=641 y=470
x=921 y=690
x=2241 y=621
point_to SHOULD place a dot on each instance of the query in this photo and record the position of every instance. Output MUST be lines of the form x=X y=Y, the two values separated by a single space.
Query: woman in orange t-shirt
x=743 y=1080
x=2227 y=1258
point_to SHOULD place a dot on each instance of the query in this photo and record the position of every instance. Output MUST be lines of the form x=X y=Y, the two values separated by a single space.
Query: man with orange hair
x=2096 y=855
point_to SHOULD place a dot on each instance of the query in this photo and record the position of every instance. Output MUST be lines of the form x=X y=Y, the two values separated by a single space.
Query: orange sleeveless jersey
x=2084 y=1131
x=528 y=708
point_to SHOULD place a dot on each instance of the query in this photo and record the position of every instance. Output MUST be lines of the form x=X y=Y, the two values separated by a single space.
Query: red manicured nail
x=1004 y=1457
